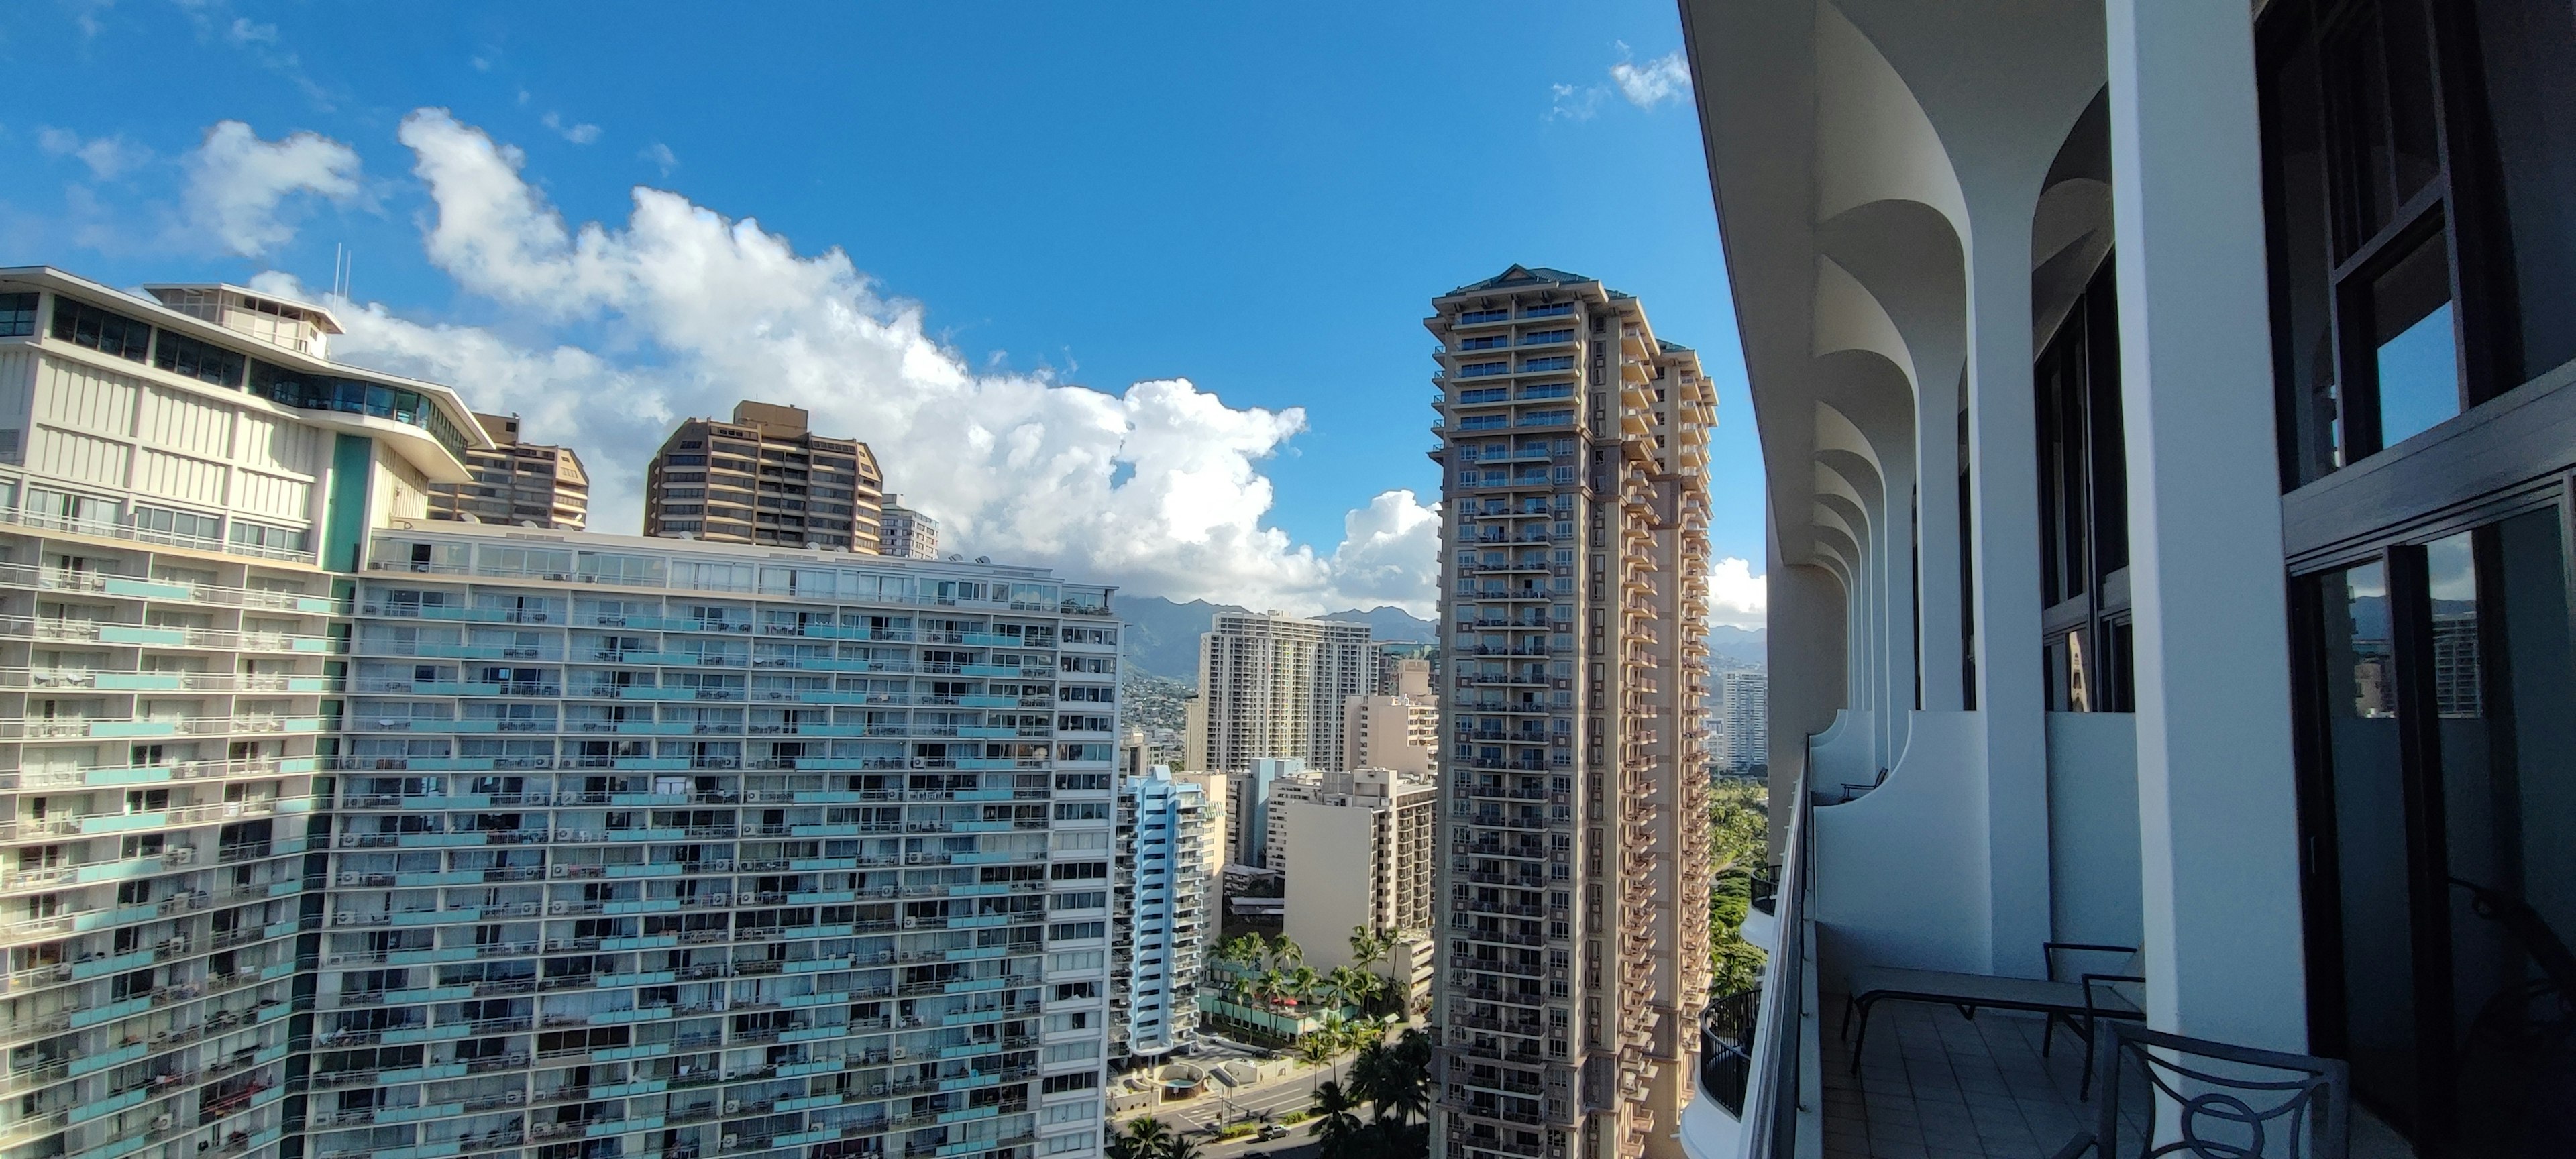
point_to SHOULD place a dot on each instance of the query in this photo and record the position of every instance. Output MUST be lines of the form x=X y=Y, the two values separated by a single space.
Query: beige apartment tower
x=1272 y=685
x=1398 y=729
x=1574 y=846
x=764 y=478
x=1362 y=845
x=517 y=483
x=906 y=533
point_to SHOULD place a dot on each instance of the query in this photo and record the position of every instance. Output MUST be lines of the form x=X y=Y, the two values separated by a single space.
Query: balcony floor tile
x=1935 y=1085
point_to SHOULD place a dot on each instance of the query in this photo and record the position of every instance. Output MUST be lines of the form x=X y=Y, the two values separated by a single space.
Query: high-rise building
x=1273 y=685
x=1742 y=711
x=1574 y=950
x=764 y=478
x=591 y=845
x=1248 y=797
x=182 y=483
x=516 y=484
x=682 y=822
x=1398 y=729
x=1161 y=924
x=902 y=531
x=1361 y=844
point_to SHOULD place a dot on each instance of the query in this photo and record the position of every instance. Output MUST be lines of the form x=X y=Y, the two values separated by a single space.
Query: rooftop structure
x=516 y=484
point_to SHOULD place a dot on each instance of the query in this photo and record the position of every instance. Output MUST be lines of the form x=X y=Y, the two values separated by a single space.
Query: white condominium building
x=1574 y=584
x=1273 y=686
x=1162 y=923
x=342 y=832
x=179 y=481
x=716 y=850
x=1742 y=713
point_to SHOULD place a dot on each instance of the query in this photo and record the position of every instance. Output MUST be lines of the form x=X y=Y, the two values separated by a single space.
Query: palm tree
x=1177 y=1147
x=1285 y=949
x=1268 y=986
x=1407 y=1089
x=1336 y=1033
x=1368 y=946
x=1148 y=1133
x=1372 y=1077
x=1353 y=986
x=1315 y=1049
x=1302 y=984
x=1243 y=950
x=1335 y=1125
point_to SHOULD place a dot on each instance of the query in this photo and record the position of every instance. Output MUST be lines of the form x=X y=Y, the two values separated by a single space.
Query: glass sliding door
x=2440 y=803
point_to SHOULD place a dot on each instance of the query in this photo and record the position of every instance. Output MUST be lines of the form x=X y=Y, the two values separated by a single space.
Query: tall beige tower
x=1574 y=848
x=1272 y=685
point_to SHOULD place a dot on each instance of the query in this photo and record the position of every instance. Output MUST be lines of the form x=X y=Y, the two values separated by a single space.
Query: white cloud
x=107 y=157
x=1736 y=596
x=582 y=134
x=1665 y=78
x=661 y=155
x=244 y=32
x=1158 y=487
x=1573 y=102
x=239 y=185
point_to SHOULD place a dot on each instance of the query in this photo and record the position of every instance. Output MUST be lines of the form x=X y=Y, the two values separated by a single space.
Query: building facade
x=712 y=852
x=1574 y=935
x=1362 y=847
x=1273 y=686
x=904 y=532
x=2165 y=417
x=1161 y=925
x=516 y=484
x=764 y=478
x=1741 y=711
x=1397 y=729
x=340 y=831
x=181 y=481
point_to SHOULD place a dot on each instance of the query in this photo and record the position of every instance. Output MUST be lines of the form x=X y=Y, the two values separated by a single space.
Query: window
x=1482 y=369
x=267 y=540
x=180 y=527
x=2422 y=247
x=2083 y=504
x=202 y=361
x=1076 y=931
x=18 y=315
x=1080 y=1081
x=82 y=324
x=352 y=396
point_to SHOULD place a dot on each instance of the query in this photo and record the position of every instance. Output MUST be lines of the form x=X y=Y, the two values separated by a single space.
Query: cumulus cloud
x=239 y=187
x=1665 y=78
x=1736 y=596
x=1157 y=487
x=582 y=134
x=107 y=157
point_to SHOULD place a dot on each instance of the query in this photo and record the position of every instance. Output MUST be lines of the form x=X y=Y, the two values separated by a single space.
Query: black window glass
x=82 y=324
x=2527 y=61
x=18 y=315
x=203 y=361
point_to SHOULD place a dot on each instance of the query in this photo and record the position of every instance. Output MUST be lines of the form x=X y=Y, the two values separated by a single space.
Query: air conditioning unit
x=559 y=871
x=557 y=907
x=733 y=1106
x=896 y=1054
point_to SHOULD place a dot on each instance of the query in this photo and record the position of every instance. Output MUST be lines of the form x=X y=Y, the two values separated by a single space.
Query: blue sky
x=1257 y=199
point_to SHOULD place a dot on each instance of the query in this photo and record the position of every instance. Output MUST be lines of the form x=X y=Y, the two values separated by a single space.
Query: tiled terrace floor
x=1935 y=1085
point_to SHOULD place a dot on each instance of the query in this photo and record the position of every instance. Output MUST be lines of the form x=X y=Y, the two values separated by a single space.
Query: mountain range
x=1163 y=637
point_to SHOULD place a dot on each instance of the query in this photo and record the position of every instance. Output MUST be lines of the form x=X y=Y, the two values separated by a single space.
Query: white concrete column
x=1896 y=644
x=2004 y=492
x=1936 y=459
x=2217 y=802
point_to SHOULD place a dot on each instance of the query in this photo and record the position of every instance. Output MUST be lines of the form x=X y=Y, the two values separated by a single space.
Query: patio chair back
x=2228 y=1101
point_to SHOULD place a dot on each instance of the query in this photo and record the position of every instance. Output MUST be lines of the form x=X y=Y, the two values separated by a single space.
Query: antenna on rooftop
x=343 y=261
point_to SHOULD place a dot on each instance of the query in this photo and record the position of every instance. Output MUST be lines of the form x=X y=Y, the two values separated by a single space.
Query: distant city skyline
x=911 y=281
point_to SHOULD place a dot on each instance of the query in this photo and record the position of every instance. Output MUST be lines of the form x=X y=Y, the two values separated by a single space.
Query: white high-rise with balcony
x=1169 y=845
x=1273 y=686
